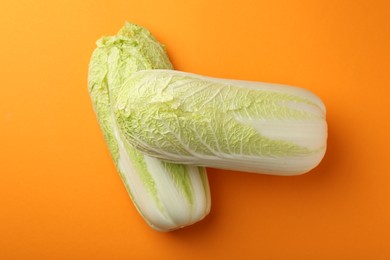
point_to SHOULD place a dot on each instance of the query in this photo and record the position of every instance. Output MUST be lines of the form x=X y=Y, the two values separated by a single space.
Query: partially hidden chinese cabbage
x=230 y=124
x=167 y=195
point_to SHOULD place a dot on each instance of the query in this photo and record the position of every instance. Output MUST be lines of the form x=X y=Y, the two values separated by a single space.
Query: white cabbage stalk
x=230 y=124
x=167 y=195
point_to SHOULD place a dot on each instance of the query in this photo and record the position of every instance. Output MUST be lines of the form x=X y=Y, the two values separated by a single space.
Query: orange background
x=61 y=198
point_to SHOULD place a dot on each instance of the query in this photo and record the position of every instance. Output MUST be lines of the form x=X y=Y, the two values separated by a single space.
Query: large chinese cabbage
x=167 y=195
x=230 y=124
